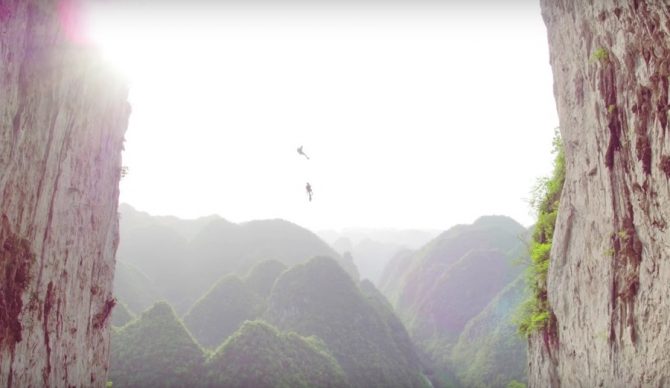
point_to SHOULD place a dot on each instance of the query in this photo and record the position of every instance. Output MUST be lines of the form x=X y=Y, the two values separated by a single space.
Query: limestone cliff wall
x=62 y=121
x=609 y=278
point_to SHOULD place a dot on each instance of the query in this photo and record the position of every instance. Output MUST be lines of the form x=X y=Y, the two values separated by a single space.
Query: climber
x=309 y=191
x=302 y=153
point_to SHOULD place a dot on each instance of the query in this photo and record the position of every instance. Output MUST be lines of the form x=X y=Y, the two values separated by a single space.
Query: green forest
x=441 y=315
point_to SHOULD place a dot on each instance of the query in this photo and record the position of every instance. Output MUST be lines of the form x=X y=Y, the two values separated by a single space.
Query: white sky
x=414 y=116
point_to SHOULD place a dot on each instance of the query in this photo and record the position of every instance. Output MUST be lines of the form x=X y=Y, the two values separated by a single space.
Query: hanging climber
x=309 y=191
x=300 y=151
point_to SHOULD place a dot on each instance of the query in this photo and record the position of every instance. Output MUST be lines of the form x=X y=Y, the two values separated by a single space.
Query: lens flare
x=73 y=21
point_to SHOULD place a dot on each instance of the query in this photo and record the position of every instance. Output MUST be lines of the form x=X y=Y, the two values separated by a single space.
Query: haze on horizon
x=414 y=116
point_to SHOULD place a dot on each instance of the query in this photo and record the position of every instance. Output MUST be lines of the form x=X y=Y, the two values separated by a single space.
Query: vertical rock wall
x=609 y=278
x=62 y=120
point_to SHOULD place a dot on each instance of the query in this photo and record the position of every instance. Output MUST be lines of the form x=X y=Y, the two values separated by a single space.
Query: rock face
x=62 y=120
x=609 y=278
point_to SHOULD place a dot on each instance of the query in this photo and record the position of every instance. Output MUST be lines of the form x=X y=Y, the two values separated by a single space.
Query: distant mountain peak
x=449 y=282
x=160 y=310
x=156 y=338
x=500 y=221
x=318 y=298
x=184 y=258
x=126 y=208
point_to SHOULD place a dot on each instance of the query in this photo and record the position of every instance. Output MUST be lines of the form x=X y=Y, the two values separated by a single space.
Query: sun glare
x=386 y=102
x=115 y=43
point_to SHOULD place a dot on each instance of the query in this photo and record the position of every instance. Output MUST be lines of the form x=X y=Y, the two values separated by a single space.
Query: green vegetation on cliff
x=259 y=356
x=534 y=313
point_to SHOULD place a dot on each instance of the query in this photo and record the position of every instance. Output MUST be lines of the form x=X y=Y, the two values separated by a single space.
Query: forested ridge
x=443 y=318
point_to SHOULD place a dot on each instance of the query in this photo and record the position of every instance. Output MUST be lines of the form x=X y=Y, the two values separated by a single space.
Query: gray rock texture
x=62 y=121
x=609 y=278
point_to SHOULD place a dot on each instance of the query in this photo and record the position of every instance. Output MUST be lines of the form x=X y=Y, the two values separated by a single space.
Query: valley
x=440 y=316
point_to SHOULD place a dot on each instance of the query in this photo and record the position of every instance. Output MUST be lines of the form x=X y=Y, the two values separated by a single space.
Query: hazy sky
x=415 y=116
